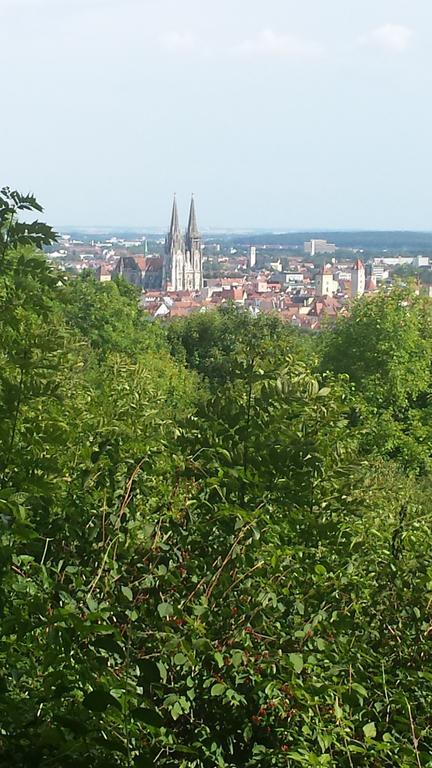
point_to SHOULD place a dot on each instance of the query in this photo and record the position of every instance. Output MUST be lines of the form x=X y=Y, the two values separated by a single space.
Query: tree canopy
x=214 y=534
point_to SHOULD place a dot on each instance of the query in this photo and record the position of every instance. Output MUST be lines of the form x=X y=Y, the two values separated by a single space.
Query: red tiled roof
x=140 y=261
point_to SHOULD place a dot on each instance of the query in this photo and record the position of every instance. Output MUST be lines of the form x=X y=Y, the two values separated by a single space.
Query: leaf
x=237 y=657
x=218 y=689
x=320 y=570
x=99 y=700
x=148 y=717
x=183 y=750
x=92 y=604
x=369 y=730
x=165 y=610
x=149 y=671
x=296 y=660
x=180 y=659
x=359 y=688
x=107 y=643
x=176 y=711
x=127 y=593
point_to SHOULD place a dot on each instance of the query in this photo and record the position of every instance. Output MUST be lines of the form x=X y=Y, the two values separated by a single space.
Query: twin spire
x=183 y=254
x=192 y=231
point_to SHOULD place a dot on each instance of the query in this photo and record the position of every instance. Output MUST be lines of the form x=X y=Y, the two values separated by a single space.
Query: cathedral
x=182 y=265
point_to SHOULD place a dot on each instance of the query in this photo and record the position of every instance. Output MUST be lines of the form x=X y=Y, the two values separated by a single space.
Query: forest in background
x=214 y=533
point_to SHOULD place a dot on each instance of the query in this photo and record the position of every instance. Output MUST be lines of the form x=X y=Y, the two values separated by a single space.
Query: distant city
x=307 y=278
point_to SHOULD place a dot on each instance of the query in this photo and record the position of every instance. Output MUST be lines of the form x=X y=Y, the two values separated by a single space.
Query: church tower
x=173 y=267
x=324 y=282
x=358 y=279
x=194 y=280
x=182 y=270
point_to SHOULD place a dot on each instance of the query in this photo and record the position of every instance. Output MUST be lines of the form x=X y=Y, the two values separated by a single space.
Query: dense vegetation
x=214 y=535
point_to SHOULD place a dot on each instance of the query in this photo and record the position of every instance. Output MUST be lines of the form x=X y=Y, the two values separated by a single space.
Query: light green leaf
x=165 y=610
x=369 y=730
x=218 y=689
x=127 y=593
x=296 y=660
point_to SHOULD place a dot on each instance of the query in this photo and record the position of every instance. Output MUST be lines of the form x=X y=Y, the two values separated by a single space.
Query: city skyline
x=288 y=116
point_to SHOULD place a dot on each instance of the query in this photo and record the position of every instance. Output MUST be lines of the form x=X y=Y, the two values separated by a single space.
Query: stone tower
x=174 y=254
x=183 y=256
x=358 y=279
x=193 y=269
x=324 y=282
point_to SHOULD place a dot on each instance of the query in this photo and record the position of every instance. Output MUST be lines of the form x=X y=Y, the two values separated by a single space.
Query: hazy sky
x=276 y=113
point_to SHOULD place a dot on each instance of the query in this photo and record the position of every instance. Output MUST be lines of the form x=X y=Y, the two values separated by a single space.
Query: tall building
x=325 y=285
x=252 y=257
x=358 y=279
x=182 y=268
x=314 y=247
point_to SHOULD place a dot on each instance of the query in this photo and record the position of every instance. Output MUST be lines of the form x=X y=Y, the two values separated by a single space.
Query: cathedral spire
x=174 y=228
x=192 y=231
x=174 y=240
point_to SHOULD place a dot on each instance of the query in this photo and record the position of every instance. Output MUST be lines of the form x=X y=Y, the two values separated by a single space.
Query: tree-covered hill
x=374 y=240
x=214 y=535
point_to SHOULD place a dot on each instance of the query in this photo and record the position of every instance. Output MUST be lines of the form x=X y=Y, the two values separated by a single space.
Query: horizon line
x=154 y=229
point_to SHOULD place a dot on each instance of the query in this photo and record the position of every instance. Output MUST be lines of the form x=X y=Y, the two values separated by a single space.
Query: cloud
x=389 y=37
x=270 y=43
x=267 y=43
x=178 y=42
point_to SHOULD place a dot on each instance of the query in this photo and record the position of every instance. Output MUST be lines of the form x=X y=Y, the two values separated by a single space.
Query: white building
x=294 y=278
x=325 y=285
x=379 y=272
x=314 y=247
x=358 y=279
x=276 y=265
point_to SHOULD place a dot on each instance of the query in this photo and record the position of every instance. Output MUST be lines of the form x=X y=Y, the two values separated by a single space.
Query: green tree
x=385 y=346
x=108 y=316
x=206 y=570
x=212 y=343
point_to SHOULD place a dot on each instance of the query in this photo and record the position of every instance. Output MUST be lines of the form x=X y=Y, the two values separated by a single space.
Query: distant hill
x=393 y=240
x=368 y=240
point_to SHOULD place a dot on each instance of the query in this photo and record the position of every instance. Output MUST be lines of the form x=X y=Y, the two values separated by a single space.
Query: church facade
x=182 y=265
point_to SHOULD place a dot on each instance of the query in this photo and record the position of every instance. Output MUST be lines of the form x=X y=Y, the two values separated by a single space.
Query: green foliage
x=108 y=316
x=15 y=233
x=211 y=343
x=385 y=346
x=199 y=564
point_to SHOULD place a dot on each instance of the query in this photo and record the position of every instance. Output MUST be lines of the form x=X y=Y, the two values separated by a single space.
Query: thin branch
x=226 y=560
x=415 y=740
x=128 y=493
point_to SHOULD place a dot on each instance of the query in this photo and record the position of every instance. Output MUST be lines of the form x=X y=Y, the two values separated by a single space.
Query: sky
x=278 y=114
